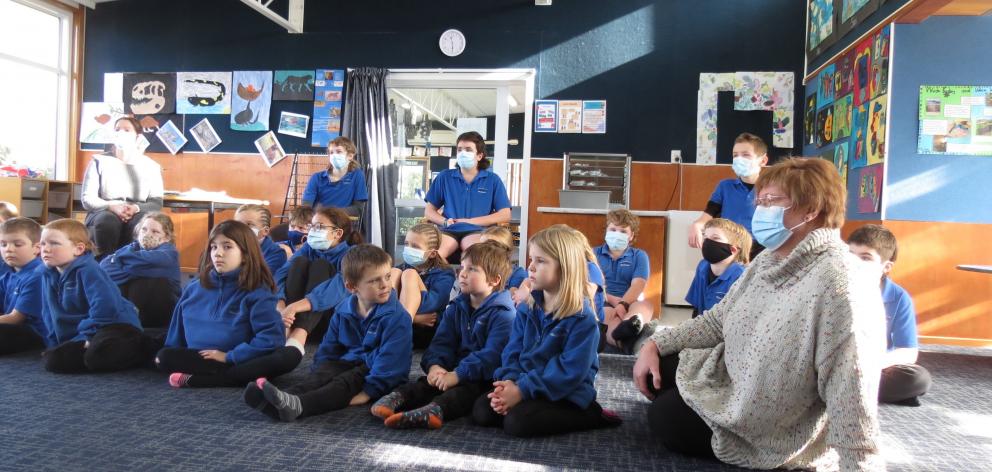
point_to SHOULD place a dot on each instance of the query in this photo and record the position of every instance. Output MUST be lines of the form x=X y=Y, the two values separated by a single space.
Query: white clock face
x=452 y=42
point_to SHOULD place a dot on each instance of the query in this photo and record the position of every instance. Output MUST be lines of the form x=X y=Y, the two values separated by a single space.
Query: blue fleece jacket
x=275 y=256
x=552 y=359
x=439 y=283
x=469 y=340
x=22 y=292
x=383 y=340
x=332 y=255
x=82 y=299
x=227 y=318
x=131 y=262
x=517 y=277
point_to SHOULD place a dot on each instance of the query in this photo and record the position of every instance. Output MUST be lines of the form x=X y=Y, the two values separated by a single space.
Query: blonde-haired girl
x=423 y=281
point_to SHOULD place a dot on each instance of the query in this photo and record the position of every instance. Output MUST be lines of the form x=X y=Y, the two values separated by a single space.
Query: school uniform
x=320 y=191
x=733 y=199
x=484 y=196
x=439 y=282
x=597 y=278
x=707 y=289
x=554 y=364
x=275 y=256
x=149 y=278
x=901 y=382
x=469 y=343
x=243 y=324
x=620 y=272
x=21 y=291
x=303 y=273
x=83 y=305
x=370 y=354
x=517 y=277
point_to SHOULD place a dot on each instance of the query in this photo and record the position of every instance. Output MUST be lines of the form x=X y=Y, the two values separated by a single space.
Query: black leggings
x=423 y=335
x=330 y=386
x=18 y=338
x=673 y=421
x=455 y=403
x=153 y=297
x=302 y=277
x=210 y=373
x=114 y=347
x=903 y=382
x=540 y=417
x=108 y=232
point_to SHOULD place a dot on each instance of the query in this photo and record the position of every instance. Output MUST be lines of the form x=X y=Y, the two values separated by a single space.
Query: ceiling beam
x=294 y=24
x=922 y=10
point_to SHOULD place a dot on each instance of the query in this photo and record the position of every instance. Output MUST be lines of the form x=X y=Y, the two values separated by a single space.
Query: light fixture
x=405 y=105
x=542 y=3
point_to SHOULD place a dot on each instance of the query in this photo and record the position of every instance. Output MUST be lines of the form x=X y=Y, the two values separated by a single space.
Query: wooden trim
x=76 y=90
x=924 y=10
x=950 y=341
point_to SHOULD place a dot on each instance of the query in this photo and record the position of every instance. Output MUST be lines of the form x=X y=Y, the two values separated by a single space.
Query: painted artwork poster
x=862 y=72
x=840 y=161
x=545 y=116
x=252 y=100
x=821 y=23
x=782 y=128
x=858 y=152
x=96 y=122
x=810 y=121
x=594 y=116
x=293 y=85
x=876 y=129
x=205 y=135
x=293 y=124
x=328 y=106
x=825 y=91
x=842 y=117
x=171 y=136
x=849 y=8
x=870 y=189
x=844 y=75
x=150 y=124
x=825 y=126
x=955 y=120
x=113 y=87
x=149 y=93
x=203 y=93
x=880 y=62
x=270 y=149
x=570 y=116
x=764 y=91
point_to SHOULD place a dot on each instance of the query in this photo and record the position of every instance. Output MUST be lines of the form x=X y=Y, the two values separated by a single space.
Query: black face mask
x=714 y=251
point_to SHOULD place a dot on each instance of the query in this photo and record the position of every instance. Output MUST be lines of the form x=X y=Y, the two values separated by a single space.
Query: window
x=35 y=52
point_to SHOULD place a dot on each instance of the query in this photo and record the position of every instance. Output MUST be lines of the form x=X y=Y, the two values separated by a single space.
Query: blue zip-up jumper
x=471 y=341
x=275 y=256
x=22 y=292
x=332 y=255
x=439 y=283
x=131 y=261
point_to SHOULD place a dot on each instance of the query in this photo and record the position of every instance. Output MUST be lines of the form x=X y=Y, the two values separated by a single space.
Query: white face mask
x=125 y=141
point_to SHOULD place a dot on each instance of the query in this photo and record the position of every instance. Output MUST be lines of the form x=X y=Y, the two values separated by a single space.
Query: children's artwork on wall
x=171 y=136
x=880 y=63
x=150 y=124
x=763 y=90
x=203 y=93
x=96 y=122
x=782 y=128
x=270 y=149
x=876 y=129
x=810 y=119
x=870 y=189
x=820 y=28
x=840 y=161
x=205 y=135
x=293 y=124
x=825 y=126
x=149 y=94
x=842 y=117
x=771 y=91
x=955 y=120
x=853 y=12
x=252 y=100
x=825 y=91
x=862 y=72
x=844 y=75
x=327 y=106
x=858 y=152
x=294 y=85
x=113 y=88
x=710 y=85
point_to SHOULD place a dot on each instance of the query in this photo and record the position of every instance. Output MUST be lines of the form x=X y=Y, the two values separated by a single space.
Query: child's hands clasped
x=506 y=395
x=214 y=355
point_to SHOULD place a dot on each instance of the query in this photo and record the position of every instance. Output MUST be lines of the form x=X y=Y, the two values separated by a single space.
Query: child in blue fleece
x=310 y=284
x=226 y=330
x=423 y=281
x=461 y=359
x=90 y=326
x=147 y=270
x=546 y=382
x=259 y=219
x=365 y=354
x=21 y=326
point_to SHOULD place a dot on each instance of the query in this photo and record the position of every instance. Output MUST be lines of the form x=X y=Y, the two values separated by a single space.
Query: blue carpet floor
x=134 y=421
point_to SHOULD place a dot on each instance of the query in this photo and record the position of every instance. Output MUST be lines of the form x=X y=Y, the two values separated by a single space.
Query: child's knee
x=516 y=425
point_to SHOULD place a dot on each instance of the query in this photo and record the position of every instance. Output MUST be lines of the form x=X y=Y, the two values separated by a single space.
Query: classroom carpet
x=134 y=421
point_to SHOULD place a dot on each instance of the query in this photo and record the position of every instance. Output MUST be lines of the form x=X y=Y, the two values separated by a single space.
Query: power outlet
x=676 y=155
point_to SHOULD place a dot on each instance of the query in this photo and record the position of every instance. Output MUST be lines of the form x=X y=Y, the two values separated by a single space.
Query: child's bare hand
x=360 y=399
x=506 y=396
x=447 y=380
x=214 y=355
x=429 y=319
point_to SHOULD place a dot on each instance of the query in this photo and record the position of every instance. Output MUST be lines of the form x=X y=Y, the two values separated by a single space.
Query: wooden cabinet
x=38 y=199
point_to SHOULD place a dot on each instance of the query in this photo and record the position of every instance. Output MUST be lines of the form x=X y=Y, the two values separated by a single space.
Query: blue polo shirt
x=599 y=301
x=484 y=196
x=704 y=294
x=22 y=292
x=619 y=273
x=736 y=201
x=341 y=194
x=900 y=317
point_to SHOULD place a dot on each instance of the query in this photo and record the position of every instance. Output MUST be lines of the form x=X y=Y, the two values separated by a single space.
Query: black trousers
x=903 y=382
x=210 y=373
x=302 y=277
x=18 y=338
x=539 y=417
x=153 y=297
x=108 y=232
x=423 y=335
x=455 y=403
x=113 y=347
x=330 y=386
x=673 y=421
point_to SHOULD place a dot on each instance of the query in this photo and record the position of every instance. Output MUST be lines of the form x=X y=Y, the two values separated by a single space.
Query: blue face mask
x=413 y=256
x=745 y=167
x=466 y=160
x=768 y=227
x=295 y=237
x=318 y=240
x=616 y=240
x=339 y=161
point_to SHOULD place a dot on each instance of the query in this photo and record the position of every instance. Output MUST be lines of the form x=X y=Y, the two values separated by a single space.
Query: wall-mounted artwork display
x=880 y=63
x=296 y=85
x=252 y=100
x=870 y=189
x=825 y=91
x=852 y=13
x=96 y=122
x=150 y=124
x=842 y=117
x=753 y=91
x=955 y=120
x=862 y=72
x=203 y=93
x=875 y=138
x=270 y=149
x=844 y=75
x=327 y=106
x=858 y=152
x=171 y=136
x=824 y=126
x=809 y=122
x=840 y=161
x=205 y=135
x=149 y=94
x=293 y=124
x=821 y=31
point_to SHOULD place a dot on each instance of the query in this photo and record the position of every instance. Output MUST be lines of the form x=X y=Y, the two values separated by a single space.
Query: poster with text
x=252 y=100
x=203 y=93
x=570 y=116
x=545 y=116
x=328 y=106
x=594 y=116
x=955 y=120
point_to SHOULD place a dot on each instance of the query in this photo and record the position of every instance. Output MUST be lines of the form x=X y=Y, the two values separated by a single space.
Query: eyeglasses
x=768 y=200
x=320 y=227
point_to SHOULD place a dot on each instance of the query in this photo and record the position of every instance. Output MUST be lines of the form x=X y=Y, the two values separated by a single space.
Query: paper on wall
x=973 y=101
x=957 y=111
x=113 y=87
x=934 y=127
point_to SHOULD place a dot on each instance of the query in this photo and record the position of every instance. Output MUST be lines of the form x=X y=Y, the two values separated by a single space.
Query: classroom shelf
x=39 y=199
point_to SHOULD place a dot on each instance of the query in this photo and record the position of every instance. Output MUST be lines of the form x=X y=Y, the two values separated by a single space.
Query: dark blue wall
x=643 y=57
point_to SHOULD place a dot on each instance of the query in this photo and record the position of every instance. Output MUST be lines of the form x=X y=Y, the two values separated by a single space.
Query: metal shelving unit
x=603 y=172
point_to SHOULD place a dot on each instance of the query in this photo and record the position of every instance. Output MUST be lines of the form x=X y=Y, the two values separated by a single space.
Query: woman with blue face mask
x=342 y=185
x=423 y=281
x=464 y=201
x=783 y=372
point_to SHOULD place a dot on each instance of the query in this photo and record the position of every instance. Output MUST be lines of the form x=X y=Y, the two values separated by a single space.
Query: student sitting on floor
x=546 y=384
x=626 y=269
x=147 y=270
x=299 y=224
x=309 y=285
x=465 y=352
x=226 y=330
x=366 y=353
x=259 y=219
x=726 y=248
x=21 y=325
x=502 y=234
x=90 y=325
x=423 y=281
x=903 y=380
x=7 y=211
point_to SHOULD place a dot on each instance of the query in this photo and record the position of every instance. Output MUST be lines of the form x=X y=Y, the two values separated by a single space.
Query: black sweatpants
x=331 y=386
x=114 y=347
x=18 y=338
x=903 y=382
x=210 y=373
x=423 y=335
x=302 y=277
x=153 y=297
x=673 y=421
x=540 y=417
x=108 y=232
x=455 y=403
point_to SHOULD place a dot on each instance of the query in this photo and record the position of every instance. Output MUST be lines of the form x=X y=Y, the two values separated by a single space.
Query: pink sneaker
x=178 y=379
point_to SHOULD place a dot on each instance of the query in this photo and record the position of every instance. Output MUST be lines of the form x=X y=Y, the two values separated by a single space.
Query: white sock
x=294 y=343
